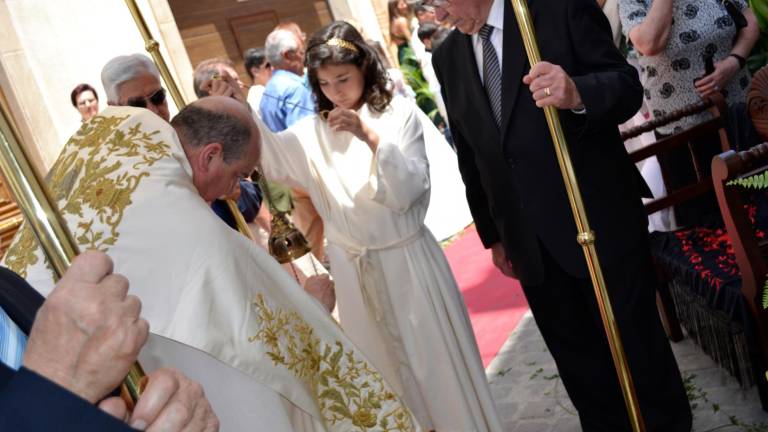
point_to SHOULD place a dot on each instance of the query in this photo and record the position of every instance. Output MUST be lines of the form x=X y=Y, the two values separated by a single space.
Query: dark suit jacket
x=18 y=299
x=513 y=182
x=31 y=403
x=28 y=401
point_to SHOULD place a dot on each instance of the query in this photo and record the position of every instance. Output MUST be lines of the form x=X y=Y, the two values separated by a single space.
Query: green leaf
x=757 y=181
x=765 y=294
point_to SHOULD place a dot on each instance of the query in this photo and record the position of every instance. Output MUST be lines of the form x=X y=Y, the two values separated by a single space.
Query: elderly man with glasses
x=134 y=80
x=516 y=193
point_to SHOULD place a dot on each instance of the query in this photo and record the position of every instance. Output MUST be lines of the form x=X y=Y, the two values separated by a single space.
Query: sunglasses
x=156 y=98
x=436 y=3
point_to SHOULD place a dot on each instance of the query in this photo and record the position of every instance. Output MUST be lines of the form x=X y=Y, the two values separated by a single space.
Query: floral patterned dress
x=700 y=29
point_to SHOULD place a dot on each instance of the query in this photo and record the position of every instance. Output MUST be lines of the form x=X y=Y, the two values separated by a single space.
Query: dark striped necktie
x=491 y=73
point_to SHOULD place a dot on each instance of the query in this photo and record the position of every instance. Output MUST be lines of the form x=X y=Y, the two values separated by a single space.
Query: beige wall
x=47 y=47
x=361 y=11
x=369 y=15
x=227 y=28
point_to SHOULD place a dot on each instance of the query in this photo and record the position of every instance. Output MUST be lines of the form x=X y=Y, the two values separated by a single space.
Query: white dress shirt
x=495 y=19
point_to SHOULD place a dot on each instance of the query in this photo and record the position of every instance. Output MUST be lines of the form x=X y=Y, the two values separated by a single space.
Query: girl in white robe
x=364 y=166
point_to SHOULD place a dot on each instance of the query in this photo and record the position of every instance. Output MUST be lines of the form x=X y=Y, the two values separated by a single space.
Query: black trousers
x=566 y=312
x=677 y=167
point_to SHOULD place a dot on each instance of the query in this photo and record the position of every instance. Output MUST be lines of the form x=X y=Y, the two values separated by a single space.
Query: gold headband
x=341 y=43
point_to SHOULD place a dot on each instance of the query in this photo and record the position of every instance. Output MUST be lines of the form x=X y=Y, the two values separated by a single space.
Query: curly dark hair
x=376 y=92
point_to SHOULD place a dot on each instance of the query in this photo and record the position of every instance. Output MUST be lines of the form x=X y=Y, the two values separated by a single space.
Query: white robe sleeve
x=283 y=158
x=400 y=170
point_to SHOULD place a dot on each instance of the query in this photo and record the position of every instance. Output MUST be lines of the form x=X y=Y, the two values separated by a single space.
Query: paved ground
x=531 y=397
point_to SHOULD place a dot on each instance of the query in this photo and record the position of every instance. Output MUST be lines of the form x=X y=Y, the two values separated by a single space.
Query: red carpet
x=495 y=302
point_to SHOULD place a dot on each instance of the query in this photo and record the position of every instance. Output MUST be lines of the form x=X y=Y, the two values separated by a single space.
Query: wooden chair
x=757 y=102
x=750 y=250
x=715 y=105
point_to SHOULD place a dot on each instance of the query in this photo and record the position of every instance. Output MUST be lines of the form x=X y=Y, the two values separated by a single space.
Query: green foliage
x=765 y=295
x=411 y=70
x=698 y=396
x=760 y=9
x=757 y=181
x=759 y=56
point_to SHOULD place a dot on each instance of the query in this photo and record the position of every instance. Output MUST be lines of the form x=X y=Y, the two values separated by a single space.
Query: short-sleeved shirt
x=286 y=100
x=700 y=28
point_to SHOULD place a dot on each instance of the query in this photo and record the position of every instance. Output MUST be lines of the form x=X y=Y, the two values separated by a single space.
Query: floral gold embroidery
x=92 y=181
x=351 y=395
x=22 y=252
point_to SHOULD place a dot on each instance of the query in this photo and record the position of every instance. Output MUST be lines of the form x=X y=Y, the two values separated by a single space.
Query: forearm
x=370 y=137
x=748 y=35
x=608 y=86
x=651 y=36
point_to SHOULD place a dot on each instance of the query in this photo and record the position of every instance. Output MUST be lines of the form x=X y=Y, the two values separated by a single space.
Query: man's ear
x=291 y=55
x=207 y=156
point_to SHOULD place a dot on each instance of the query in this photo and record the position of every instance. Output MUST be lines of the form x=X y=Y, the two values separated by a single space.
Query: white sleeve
x=283 y=158
x=400 y=170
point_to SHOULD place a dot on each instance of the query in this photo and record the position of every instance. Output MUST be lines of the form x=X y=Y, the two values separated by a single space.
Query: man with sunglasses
x=519 y=202
x=134 y=80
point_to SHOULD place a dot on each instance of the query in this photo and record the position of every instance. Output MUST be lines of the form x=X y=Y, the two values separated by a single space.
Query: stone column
x=48 y=47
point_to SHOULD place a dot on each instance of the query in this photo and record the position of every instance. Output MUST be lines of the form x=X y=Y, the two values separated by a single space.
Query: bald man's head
x=221 y=142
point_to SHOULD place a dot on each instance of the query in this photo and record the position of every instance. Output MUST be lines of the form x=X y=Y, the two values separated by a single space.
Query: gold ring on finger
x=547 y=92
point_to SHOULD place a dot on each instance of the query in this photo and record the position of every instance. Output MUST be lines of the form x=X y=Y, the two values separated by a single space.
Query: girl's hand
x=340 y=119
x=224 y=85
x=725 y=69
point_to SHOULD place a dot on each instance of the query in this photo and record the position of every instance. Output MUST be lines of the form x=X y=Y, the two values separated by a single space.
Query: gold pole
x=45 y=220
x=585 y=237
x=33 y=199
x=153 y=48
x=242 y=226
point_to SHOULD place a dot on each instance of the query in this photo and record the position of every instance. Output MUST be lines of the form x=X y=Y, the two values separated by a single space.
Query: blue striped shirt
x=12 y=342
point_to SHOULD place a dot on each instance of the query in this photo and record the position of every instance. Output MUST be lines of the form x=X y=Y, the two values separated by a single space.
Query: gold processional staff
x=585 y=236
x=46 y=222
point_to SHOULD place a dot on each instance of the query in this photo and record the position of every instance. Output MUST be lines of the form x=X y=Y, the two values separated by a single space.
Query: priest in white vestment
x=220 y=309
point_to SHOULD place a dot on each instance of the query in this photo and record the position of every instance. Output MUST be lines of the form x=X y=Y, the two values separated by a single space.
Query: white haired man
x=134 y=80
x=286 y=97
x=285 y=101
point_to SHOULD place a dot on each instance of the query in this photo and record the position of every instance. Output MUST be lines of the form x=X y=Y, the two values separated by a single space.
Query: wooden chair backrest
x=757 y=102
x=715 y=105
x=749 y=250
